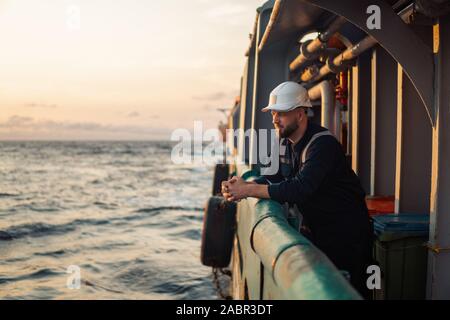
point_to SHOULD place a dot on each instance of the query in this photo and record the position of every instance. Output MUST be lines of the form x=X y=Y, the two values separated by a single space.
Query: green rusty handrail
x=300 y=269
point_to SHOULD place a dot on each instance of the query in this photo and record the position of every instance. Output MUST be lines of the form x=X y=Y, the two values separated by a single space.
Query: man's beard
x=288 y=130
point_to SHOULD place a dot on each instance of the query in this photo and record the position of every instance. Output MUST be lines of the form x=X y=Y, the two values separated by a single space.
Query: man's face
x=285 y=122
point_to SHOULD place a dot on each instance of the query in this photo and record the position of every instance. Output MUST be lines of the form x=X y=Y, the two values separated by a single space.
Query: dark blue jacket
x=325 y=189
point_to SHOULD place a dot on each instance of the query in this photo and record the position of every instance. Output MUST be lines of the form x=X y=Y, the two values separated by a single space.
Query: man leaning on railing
x=316 y=181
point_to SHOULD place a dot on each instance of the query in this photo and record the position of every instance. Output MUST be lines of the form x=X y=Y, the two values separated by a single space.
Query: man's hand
x=234 y=189
x=237 y=189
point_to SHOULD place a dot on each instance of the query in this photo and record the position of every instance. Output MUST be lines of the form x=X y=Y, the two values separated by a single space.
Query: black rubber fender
x=221 y=173
x=219 y=227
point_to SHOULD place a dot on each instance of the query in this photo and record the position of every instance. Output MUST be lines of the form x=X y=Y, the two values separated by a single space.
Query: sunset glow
x=100 y=69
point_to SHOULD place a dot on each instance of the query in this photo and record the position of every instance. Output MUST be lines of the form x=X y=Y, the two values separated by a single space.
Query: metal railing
x=298 y=270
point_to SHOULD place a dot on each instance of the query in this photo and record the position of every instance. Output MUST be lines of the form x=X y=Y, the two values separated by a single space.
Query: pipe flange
x=323 y=37
x=304 y=51
x=337 y=68
x=309 y=73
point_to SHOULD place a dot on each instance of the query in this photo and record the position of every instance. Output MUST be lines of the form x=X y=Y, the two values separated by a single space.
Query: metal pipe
x=290 y=260
x=273 y=19
x=356 y=50
x=252 y=150
x=252 y=36
x=317 y=44
x=325 y=91
x=310 y=72
x=347 y=55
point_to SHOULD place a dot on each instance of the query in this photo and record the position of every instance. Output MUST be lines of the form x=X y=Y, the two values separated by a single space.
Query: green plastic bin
x=400 y=249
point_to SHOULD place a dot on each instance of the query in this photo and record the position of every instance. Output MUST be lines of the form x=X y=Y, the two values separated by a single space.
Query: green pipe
x=300 y=269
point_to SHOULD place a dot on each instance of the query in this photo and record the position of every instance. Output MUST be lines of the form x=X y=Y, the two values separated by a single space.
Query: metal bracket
x=397 y=38
x=437 y=249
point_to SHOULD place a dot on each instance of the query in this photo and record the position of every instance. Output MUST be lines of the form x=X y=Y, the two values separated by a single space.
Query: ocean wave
x=56 y=253
x=122 y=211
x=5 y=236
x=41 y=229
x=149 y=278
x=109 y=246
x=33 y=207
x=193 y=234
x=44 y=209
x=7 y=195
x=183 y=288
x=99 y=286
x=171 y=288
x=107 y=206
x=37 y=230
x=174 y=208
x=193 y=217
x=42 y=273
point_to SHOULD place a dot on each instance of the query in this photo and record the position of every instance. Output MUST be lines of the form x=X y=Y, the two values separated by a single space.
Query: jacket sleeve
x=319 y=162
x=270 y=179
x=276 y=178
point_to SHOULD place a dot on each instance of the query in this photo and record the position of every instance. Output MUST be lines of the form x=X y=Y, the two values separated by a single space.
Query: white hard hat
x=288 y=96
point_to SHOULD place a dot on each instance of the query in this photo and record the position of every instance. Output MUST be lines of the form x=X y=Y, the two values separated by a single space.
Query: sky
x=118 y=69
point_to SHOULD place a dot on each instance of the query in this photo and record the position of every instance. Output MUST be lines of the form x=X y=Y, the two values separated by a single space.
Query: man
x=315 y=178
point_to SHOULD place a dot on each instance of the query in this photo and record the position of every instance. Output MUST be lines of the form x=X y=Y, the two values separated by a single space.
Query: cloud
x=214 y=108
x=133 y=114
x=16 y=121
x=41 y=105
x=18 y=127
x=217 y=96
x=211 y=97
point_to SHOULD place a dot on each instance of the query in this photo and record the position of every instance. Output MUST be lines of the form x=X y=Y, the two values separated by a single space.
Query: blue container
x=401 y=225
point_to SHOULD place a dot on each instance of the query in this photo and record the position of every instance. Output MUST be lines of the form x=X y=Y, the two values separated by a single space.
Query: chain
x=217 y=283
